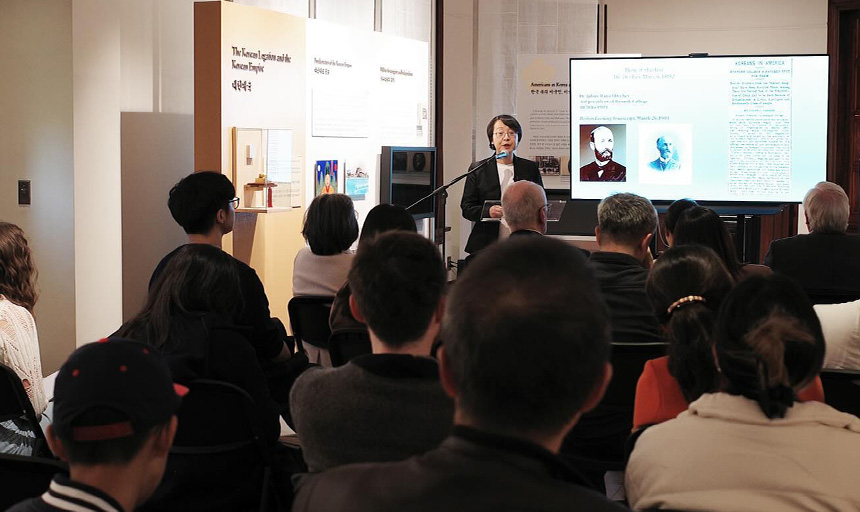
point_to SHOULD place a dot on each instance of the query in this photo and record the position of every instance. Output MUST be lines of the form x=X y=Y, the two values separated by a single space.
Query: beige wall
x=36 y=144
x=98 y=249
x=457 y=107
x=728 y=27
x=157 y=134
x=157 y=151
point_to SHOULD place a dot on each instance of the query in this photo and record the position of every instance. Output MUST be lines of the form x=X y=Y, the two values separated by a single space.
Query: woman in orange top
x=686 y=287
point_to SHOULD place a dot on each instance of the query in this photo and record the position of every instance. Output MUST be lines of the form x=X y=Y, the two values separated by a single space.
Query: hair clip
x=684 y=300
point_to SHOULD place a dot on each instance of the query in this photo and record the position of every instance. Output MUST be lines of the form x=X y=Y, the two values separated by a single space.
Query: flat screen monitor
x=726 y=129
x=406 y=175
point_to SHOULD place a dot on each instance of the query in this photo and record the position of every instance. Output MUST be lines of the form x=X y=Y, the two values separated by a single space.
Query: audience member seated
x=841 y=326
x=330 y=229
x=686 y=287
x=204 y=203
x=387 y=405
x=752 y=446
x=670 y=218
x=526 y=353
x=625 y=226
x=380 y=219
x=188 y=317
x=826 y=262
x=114 y=421
x=19 y=344
x=524 y=205
x=702 y=226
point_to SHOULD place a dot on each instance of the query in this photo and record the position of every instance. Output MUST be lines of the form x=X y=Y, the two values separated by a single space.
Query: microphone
x=443 y=189
x=497 y=156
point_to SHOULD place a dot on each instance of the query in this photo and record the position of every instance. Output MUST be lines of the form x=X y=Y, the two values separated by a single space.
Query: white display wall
x=364 y=90
x=339 y=93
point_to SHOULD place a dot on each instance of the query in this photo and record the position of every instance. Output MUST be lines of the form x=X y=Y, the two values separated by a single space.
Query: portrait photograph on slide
x=665 y=154
x=603 y=152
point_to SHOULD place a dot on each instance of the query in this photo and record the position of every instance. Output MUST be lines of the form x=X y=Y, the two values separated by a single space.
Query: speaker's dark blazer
x=483 y=185
x=826 y=262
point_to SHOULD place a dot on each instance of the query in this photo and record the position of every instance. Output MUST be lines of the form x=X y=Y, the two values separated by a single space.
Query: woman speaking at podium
x=490 y=179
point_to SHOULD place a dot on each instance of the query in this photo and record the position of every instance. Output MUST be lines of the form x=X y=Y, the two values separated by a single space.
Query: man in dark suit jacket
x=502 y=451
x=603 y=168
x=504 y=133
x=625 y=225
x=826 y=262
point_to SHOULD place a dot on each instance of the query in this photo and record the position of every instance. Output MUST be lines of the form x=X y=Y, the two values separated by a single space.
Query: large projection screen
x=722 y=129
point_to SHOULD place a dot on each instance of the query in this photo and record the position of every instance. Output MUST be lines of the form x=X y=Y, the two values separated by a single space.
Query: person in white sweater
x=752 y=446
x=19 y=343
x=330 y=229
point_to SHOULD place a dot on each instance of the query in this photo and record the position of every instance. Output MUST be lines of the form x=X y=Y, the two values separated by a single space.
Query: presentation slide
x=726 y=129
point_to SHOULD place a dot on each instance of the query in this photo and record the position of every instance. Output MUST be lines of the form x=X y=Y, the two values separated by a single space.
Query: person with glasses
x=490 y=179
x=204 y=204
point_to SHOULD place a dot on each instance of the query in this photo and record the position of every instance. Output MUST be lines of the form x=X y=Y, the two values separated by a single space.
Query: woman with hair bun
x=686 y=287
x=753 y=445
x=19 y=342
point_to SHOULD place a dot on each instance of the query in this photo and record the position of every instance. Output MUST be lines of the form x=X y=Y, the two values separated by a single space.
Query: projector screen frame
x=736 y=206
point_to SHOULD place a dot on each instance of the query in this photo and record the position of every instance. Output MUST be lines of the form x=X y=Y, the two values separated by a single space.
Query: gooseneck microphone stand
x=442 y=191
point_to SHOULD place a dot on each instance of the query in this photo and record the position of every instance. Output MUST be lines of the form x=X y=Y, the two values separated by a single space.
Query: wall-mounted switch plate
x=23 y=191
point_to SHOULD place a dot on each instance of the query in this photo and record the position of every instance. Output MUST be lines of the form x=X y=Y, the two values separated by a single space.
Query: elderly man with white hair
x=826 y=262
x=524 y=206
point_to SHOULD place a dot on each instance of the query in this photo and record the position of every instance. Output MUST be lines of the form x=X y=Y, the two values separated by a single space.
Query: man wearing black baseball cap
x=114 y=420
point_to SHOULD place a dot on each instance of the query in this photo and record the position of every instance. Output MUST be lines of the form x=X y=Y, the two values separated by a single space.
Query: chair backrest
x=219 y=459
x=309 y=320
x=14 y=404
x=628 y=361
x=26 y=477
x=345 y=344
x=842 y=390
x=596 y=443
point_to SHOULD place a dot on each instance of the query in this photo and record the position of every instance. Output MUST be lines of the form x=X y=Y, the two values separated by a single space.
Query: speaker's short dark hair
x=196 y=199
x=526 y=335
x=398 y=279
x=330 y=224
x=112 y=451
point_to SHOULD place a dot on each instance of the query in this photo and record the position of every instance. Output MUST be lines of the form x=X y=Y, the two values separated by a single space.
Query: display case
x=266 y=174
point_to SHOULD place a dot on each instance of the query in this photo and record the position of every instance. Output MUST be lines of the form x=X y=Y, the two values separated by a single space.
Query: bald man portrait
x=603 y=168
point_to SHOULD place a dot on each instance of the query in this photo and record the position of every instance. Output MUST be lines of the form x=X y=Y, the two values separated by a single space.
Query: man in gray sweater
x=526 y=354
x=387 y=405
